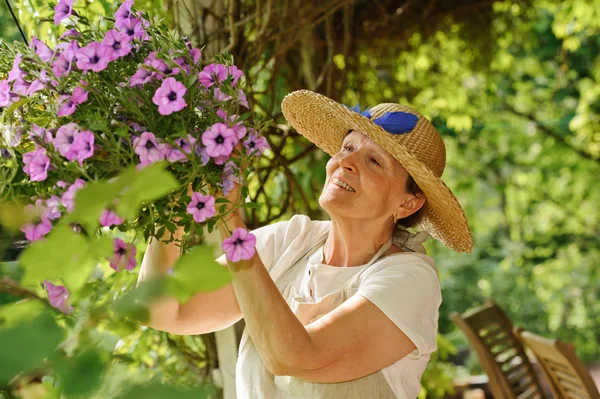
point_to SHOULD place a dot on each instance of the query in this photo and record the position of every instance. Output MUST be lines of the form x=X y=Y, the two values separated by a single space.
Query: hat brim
x=326 y=122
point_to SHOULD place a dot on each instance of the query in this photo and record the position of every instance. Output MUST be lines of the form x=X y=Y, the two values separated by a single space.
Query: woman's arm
x=354 y=340
x=204 y=312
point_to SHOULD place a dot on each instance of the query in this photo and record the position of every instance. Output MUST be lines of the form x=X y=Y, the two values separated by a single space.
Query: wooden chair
x=567 y=374
x=502 y=355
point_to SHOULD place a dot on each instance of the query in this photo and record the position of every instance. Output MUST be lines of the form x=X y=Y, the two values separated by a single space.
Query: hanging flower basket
x=109 y=129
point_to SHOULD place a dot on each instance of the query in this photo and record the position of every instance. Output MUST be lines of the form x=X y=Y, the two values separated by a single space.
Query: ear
x=412 y=204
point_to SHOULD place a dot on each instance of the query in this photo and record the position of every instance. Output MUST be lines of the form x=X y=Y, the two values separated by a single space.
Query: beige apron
x=255 y=381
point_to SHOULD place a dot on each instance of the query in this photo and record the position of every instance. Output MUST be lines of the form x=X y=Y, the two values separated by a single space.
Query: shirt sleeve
x=273 y=240
x=409 y=294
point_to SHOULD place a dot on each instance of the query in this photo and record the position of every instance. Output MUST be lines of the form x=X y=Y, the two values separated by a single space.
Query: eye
x=374 y=161
x=346 y=147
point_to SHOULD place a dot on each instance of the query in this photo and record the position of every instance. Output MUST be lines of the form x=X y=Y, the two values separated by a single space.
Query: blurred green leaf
x=18 y=312
x=156 y=390
x=134 y=303
x=26 y=345
x=196 y=271
x=83 y=373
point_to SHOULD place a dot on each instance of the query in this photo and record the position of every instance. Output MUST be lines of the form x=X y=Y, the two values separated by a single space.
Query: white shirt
x=404 y=286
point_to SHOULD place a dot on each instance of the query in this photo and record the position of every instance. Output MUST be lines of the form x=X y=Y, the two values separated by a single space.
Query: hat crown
x=423 y=141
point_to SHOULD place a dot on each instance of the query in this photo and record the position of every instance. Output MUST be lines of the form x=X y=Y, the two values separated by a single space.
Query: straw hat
x=408 y=136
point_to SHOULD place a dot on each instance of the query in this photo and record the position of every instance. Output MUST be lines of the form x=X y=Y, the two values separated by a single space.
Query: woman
x=346 y=308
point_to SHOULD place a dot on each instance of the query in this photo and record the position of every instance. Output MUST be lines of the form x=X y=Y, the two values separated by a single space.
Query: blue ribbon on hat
x=397 y=122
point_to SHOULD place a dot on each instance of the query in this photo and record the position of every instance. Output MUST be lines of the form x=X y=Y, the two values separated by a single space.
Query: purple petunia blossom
x=242 y=99
x=201 y=207
x=238 y=128
x=132 y=27
x=63 y=10
x=69 y=33
x=40 y=48
x=235 y=73
x=61 y=66
x=21 y=87
x=118 y=43
x=219 y=139
x=65 y=136
x=80 y=95
x=220 y=96
x=204 y=157
x=147 y=148
x=140 y=77
x=124 y=256
x=53 y=207
x=241 y=245
x=82 y=147
x=163 y=67
x=69 y=104
x=5 y=97
x=93 y=57
x=175 y=154
x=124 y=12
x=169 y=96
x=256 y=143
x=35 y=164
x=229 y=178
x=37 y=84
x=109 y=218
x=68 y=198
x=211 y=74
x=16 y=73
x=36 y=231
x=58 y=296
x=195 y=54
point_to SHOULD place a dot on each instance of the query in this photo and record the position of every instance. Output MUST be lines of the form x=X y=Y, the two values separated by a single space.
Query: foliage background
x=513 y=87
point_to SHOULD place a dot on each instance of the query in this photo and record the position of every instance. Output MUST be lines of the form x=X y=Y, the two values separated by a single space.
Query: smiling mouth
x=341 y=184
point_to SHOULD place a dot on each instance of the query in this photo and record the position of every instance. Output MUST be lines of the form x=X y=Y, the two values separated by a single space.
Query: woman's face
x=375 y=182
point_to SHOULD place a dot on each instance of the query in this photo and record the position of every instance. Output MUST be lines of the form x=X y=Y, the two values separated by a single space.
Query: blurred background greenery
x=514 y=89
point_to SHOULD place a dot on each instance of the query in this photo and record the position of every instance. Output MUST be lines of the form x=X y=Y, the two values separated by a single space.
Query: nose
x=348 y=162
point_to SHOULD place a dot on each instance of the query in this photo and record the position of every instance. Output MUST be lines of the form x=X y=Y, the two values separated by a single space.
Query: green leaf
x=147 y=184
x=82 y=374
x=25 y=346
x=91 y=201
x=63 y=255
x=196 y=271
x=251 y=205
x=133 y=304
x=18 y=312
x=156 y=390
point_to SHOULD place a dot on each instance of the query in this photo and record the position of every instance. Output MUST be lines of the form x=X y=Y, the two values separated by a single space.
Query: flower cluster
x=104 y=101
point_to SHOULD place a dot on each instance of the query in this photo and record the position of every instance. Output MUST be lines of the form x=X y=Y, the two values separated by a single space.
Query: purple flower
x=117 y=43
x=241 y=245
x=58 y=295
x=235 y=73
x=175 y=154
x=16 y=73
x=238 y=128
x=40 y=134
x=109 y=218
x=53 y=207
x=62 y=65
x=229 y=179
x=201 y=207
x=220 y=96
x=242 y=99
x=140 y=77
x=68 y=198
x=93 y=57
x=5 y=97
x=256 y=143
x=37 y=84
x=163 y=67
x=35 y=164
x=65 y=136
x=169 y=96
x=204 y=157
x=195 y=54
x=63 y=9
x=211 y=74
x=82 y=147
x=68 y=33
x=36 y=231
x=132 y=27
x=219 y=140
x=148 y=149
x=124 y=256
x=80 y=95
x=124 y=12
x=21 y=87
x=40 y=48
